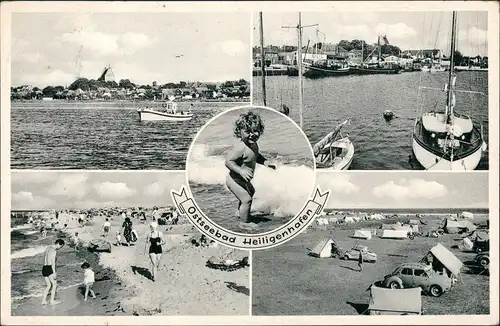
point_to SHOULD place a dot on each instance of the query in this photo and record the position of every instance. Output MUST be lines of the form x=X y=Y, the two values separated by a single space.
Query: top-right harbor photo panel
x=379 y=90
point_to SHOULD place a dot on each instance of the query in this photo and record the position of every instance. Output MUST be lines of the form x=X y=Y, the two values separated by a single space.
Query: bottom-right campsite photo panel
x=386 y=244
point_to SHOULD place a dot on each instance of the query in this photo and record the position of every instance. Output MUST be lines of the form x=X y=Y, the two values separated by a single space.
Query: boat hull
x=431 y=161
x=150 y=115
x=374 y=71
x=343 y=164
x=317 y=72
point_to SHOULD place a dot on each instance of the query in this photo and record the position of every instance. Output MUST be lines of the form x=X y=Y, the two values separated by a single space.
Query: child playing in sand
x=241 y=161
x=88 y=280
x=118 y=238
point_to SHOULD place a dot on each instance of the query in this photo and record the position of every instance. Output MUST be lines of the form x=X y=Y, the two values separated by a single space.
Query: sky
x=372 y=190
x=83 y=190
x=143 y=47
x=408 y=30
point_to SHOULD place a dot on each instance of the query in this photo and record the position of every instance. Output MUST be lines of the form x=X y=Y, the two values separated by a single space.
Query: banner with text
x=313 y=208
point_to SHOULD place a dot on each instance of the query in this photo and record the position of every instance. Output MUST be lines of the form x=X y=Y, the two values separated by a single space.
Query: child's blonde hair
x=248 y=121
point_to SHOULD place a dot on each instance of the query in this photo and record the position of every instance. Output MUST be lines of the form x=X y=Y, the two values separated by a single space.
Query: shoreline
x=184 y=286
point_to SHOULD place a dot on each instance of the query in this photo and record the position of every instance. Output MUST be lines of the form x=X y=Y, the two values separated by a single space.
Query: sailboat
x=335 y=151
x=377 y=67
x=330 y=66
x=448 y=140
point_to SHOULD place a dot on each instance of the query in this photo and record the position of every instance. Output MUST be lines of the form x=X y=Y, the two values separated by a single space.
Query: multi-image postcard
x=249 y=163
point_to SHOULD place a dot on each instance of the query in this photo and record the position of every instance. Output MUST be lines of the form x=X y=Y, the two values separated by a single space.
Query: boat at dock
x=168 y=112
x=447 y=140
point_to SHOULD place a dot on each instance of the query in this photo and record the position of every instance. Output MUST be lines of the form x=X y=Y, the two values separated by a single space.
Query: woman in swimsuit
x=155 y=241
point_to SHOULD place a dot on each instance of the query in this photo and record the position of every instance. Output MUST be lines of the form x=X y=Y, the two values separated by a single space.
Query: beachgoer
x=49 y=271
x=106 y=228
x=76 y=240
x=118 y=238
x=155 y=240
x=43 y=231
x=241 y=161
x=88 y=280
x=127 y=230
x=360 y=261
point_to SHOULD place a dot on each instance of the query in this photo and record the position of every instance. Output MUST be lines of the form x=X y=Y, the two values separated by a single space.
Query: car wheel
x=484 y=261
x=436 y=290
x=395 y=285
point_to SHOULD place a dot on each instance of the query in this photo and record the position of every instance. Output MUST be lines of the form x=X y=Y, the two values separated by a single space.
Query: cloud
x=25 y=200
x=114 y=190
x=412 y=189
x=473 y=36
x=337 y=183
x=103 y=44
x=232 y=47
x=32 y=177
x=399 y=31
x=154 y=189
x=72 y=185
x=54 y=77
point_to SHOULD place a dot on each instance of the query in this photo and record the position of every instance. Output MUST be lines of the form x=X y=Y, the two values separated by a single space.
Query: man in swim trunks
x=49 y=271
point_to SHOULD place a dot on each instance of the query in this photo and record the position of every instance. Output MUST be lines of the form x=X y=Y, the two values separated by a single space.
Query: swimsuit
x=155 y=247
x=47 y=270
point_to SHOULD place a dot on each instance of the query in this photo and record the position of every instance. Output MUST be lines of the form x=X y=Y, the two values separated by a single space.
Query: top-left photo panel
x=128 y=91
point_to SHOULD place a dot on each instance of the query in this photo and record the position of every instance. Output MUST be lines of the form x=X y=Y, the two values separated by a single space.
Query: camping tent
x=395 y=301
x=386 y=227
x=395 y=234
x=362 y=234
x=376 y=217
x=333 y=220
x=414 y=222
x=447 y=258
x=323 y=248
x=451 y=226
x=348 y=219
x=466 y=245
x=467 y=215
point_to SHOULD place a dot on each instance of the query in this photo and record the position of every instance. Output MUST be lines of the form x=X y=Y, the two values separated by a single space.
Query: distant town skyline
x=400 y=190
x=84 y=190
x=409 y=30
x=55 y=48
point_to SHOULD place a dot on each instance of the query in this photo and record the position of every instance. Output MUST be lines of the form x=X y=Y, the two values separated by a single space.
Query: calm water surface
x=61 y=135
x=379 y=145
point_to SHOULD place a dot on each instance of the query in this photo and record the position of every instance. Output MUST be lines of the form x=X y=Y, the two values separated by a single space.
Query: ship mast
x=449 y=98
x=299 y=63
x=262 y=58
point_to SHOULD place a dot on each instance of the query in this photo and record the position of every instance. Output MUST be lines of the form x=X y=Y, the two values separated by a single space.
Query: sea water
x=379 y=145
x=80 y=135
x=280 y=193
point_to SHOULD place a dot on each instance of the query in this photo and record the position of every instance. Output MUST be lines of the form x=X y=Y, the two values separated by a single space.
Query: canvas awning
x=396 y=300
x=447 y=258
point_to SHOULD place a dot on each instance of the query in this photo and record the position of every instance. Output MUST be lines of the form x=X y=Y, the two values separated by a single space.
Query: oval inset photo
x=250 y=169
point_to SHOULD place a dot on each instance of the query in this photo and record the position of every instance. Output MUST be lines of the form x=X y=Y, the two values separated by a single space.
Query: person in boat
x=155 y=240
x=49 y=271
x=241 y=161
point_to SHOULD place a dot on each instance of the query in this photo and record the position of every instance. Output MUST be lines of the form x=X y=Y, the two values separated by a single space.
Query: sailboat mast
x=449 y=108
x=379 y=50
x=299 y=64
x=262 y=58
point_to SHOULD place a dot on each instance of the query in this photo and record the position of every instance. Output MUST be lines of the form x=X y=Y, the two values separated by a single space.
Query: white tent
x=362 y=234
x=447 y=258
x=467 y=215
x=376 y=217
x=332 y=220
x=395 y=301
x=323 y=248
x=348 y=219
x=414 y=222
x=466 y=245
x=395 y=234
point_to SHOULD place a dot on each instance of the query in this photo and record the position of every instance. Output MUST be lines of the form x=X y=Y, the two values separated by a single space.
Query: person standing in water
x=155 y=240
x=241 y=161
x=49 y=271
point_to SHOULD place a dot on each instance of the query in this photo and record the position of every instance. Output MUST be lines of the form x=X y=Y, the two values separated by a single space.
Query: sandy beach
x=184 y=286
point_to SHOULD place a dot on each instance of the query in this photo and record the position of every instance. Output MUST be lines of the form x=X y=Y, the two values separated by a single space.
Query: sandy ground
x=184 y=286
x=286 y=281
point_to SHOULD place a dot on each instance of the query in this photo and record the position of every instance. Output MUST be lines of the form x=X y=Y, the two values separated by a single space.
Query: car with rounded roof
x=412 y=275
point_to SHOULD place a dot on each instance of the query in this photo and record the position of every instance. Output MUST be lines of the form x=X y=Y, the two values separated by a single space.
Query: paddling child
x=88 y=280
x=49 y=271
x=106 y=228
x=241 y=161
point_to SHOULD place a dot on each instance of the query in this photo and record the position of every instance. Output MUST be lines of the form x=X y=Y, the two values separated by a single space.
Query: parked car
x=353 y=254
x=412 y=275
x=483 y=259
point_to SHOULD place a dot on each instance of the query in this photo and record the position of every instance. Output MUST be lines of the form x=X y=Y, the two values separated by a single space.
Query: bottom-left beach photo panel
x=113 y=244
